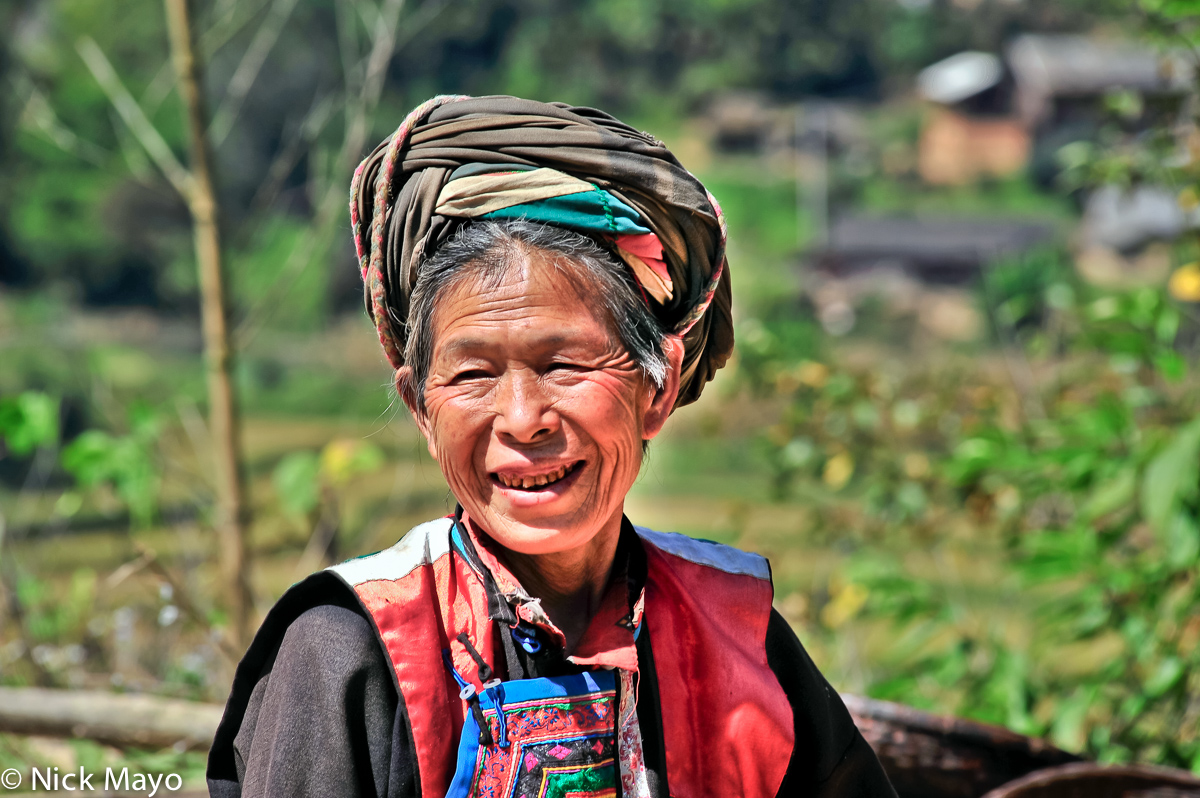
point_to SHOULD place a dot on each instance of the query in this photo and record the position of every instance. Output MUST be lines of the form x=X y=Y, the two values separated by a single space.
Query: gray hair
x=489 y=249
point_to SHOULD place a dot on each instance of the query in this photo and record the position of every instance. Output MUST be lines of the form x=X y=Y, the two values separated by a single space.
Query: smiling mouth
x=536 y=481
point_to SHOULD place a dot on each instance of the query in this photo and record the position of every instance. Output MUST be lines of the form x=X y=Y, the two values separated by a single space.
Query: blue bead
x=527 y=639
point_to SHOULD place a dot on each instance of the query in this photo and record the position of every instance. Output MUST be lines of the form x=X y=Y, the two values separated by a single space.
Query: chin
x=534 y=537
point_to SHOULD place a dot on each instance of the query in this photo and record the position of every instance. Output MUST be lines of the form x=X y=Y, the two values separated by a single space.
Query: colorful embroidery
x=558 y=747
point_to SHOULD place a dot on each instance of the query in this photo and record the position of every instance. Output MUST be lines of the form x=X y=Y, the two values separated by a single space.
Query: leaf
x=88 y=458
x=1111 y=495
x=1164 y=677
x=127 y=463
x=28 y=422
x=1173 y=477
x=297 y=483
x=1068 y=730
x=1171 y=365
x=798 y=452
x=1182 y=541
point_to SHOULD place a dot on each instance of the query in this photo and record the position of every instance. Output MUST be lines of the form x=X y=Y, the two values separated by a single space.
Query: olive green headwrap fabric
x=395 y=192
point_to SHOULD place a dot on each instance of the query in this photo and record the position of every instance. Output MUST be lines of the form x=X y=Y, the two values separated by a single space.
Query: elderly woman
x=549 y=284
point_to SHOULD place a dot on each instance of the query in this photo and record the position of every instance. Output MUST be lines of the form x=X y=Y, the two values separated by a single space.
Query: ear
x=662 y=401
x=408 y=394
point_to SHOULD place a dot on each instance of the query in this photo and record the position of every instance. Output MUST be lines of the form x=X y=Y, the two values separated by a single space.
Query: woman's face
x=534 y=410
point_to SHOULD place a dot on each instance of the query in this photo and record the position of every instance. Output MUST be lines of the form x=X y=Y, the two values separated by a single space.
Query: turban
x=455 y=159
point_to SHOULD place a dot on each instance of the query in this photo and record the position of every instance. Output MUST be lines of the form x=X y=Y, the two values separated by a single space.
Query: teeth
x=533 y=482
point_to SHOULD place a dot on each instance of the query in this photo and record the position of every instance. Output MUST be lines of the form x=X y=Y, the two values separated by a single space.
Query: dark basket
x=933 y=756
x=1089 y=780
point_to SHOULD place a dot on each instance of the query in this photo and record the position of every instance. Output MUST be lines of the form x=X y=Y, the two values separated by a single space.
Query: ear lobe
x=408 y=394
x=662 y=400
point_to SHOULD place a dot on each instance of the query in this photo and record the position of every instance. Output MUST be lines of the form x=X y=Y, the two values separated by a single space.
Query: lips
x=535 y=481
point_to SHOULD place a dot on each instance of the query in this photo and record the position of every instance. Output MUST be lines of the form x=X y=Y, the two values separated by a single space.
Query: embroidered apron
x=551 y=737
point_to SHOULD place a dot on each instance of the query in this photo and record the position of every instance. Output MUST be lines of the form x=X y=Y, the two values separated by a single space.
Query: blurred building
x=993 y=116
x=970 y=132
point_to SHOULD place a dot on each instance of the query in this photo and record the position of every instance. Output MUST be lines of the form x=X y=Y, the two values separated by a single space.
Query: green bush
x=1083 y=484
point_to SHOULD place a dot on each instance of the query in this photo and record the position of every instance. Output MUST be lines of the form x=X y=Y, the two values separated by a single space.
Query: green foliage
x=264 y=277
x=1024 y=289
x=1089 y=484
x=297 y=483
x=55 y=614
x=302 y=480
x=127 y=463
x=28 y=421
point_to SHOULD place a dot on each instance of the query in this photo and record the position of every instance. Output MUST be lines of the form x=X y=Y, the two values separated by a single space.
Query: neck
x=571 y=584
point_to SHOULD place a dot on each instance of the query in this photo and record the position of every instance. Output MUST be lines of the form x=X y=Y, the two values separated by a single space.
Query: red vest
x=727 y=724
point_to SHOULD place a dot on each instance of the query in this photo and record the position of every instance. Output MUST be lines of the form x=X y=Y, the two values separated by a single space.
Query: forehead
x=534 y=297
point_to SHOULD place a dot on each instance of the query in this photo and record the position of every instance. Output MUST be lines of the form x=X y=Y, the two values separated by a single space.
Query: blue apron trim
x=513 y=692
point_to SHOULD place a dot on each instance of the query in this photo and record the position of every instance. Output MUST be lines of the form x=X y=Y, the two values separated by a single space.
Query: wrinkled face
x=534 y=410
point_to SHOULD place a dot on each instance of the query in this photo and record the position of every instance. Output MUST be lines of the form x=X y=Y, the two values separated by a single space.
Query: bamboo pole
x=223 y=421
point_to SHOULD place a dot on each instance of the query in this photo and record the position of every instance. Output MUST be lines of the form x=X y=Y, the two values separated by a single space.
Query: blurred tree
x=12 y=270
x=302 y=87
x=232 y=510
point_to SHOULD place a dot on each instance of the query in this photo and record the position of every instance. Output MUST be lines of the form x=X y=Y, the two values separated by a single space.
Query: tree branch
x=135 y=119
x=182 y=597
x=360 y=107
x=232 y=520
x=37 y=114
x=382 y=48
x=289 y=155
x=212 y=40
x=247 y=71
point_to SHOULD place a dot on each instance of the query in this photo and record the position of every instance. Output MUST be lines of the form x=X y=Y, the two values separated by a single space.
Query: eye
x=564 y=366
x=471 y=374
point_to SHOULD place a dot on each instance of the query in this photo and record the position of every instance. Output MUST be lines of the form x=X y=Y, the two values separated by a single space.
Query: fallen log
x=120 y=720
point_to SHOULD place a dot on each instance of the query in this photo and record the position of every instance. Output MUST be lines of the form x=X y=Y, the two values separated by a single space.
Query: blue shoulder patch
x=705 y=552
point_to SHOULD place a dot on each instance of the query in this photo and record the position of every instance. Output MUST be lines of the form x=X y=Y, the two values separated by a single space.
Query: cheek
x=605 y=397
x=608 y=412
x=457 y=427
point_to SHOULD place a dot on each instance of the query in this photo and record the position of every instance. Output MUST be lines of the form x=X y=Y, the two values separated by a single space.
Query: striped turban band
x=456 y=159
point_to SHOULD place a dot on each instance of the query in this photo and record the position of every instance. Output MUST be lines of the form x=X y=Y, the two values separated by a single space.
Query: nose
x=524 y=412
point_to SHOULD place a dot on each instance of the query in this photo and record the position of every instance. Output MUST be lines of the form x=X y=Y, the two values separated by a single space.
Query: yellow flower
x=1184 y=284
x=1189 y=199
x=813 y=374
x=344 y=458
x=838 y=470
x=916 y=465
x=845 y=603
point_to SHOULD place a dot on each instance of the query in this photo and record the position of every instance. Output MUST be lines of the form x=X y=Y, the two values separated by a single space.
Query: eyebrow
x=467 y=346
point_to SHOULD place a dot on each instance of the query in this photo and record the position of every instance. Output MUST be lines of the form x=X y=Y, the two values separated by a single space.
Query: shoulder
x=331 y=638
x=314 y=637
x=423 y=545
x=707 y=553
